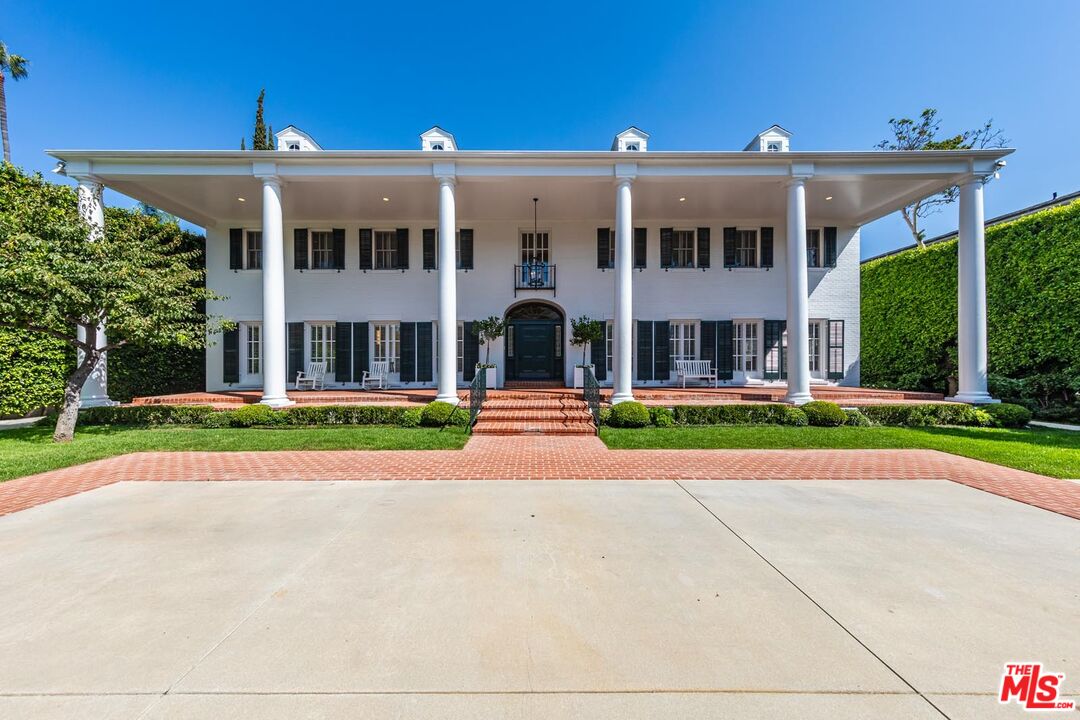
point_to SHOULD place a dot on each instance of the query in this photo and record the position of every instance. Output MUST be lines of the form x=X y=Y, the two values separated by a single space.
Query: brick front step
x=532 y=427
x=533 y=414
x=552 y=415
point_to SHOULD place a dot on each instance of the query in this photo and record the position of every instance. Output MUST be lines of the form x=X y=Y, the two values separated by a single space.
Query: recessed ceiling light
x=682 y=199
x=241 y=199
x=828 y=197
x=386 y=199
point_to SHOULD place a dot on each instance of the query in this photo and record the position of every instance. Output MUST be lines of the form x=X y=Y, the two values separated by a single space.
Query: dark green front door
x=534 y=351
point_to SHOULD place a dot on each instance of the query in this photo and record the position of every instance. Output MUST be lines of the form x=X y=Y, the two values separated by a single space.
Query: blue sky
x=554 y=75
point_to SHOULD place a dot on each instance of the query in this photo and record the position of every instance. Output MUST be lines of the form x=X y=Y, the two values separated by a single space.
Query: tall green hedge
x=1033 y=319
x=33 y=366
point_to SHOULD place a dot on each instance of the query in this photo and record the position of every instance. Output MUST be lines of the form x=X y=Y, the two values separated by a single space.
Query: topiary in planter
x=823 y=413
x=629 y=415
x=1007 y=415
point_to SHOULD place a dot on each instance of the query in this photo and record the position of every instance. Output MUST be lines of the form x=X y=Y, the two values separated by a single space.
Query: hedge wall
x=33 y=366
x=1033 y=285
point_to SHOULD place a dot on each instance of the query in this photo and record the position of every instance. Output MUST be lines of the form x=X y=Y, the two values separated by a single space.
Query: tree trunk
x=3 y=119
x=69 y=411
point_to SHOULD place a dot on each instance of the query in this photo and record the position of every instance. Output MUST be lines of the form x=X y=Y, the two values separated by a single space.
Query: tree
x=243 y=145
x=583 y=331
x=271 y=141
x=16 y=67
x=150 y=210
x=489 y=331
x=922 y=134
x=259 y=137
x=134 y=275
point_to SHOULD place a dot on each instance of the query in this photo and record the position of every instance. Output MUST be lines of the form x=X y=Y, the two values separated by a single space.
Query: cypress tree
x=258 y=139
x=271 y=141
x=243 y=145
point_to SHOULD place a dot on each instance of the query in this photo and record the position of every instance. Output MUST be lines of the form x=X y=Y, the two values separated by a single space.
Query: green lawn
x=1049 y=452
x=31 y=450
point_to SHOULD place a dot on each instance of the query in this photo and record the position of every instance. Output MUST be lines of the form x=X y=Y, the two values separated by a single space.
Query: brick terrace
x=546 y=457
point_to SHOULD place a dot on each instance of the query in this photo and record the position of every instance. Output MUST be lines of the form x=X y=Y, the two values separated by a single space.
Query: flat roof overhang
x=204 y=187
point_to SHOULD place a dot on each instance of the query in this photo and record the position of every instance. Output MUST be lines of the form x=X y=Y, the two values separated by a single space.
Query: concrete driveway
x=597 y=599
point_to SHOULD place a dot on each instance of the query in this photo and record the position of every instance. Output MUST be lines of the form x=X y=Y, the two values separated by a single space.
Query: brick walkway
x=546 y=457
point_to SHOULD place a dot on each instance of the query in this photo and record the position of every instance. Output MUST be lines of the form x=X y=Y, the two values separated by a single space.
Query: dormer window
x=294 y=146
x=774 y=146
x=633 y=147
x=436 y=139
x=436 y=146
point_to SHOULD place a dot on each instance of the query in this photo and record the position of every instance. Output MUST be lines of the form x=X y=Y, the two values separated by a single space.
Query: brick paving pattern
x=546 y=457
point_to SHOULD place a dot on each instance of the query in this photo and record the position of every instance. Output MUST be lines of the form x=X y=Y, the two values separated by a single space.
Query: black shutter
x=339 y=248
x=644 y=350
x=360 y=350
x=343 y=352
x=771 y=362
x=407 y=367
x=729 y=247
x=603 y=248
x=423 y=352
x=708 y=342
x=666 y=238
x=641 y=247
x=598 y=354
x=295 y=344
x=365 y=250
x=836 y=350
x=300 y=238
x=470 y=353
x=830 y=247
x=428 y=251
x=465 y=237
x=703 y=242
x=724 y=350
x=230 y=358
x=767 y=247
x=236 y=248
x=661 y=351
x=402 y=242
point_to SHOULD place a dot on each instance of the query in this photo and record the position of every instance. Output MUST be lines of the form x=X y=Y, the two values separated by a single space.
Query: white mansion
x=746 y=259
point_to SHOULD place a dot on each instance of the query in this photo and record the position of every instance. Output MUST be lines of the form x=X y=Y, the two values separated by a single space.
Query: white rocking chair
x=378 y=373
x=313 y=378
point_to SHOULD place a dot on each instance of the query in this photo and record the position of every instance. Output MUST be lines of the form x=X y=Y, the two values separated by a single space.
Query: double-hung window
x=746 y=248
x=535 y=247
x=322 y=250
x=814 y=250
x=682 y=249
x=253 y=249
x=321 y=344
x=253 y=348
x=815 y=347
x=609 y=344
x=681 y=342
x=457 y=249
x=386 y=344
x=745 y=344
x=386 y=249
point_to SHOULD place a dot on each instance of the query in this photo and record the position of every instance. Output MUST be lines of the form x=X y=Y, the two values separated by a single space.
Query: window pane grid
x=385 y=249
x=815 y=347
x=681 y=343
x=254 y=349
x=746 y=348
x=534 y=247
x=813 y=248
x=387 y=346
x=322 y=338
x=609 y=343
x=322 y=250
x=254 y=249
x=746 y=248
x=682 y=248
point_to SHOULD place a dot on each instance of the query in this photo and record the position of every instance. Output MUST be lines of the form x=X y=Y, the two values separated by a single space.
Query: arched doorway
x=534 y=341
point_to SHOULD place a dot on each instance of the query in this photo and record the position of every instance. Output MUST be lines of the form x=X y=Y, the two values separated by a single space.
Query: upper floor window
x=746 y=248
x=633 y=146
x=814 y=251
x=535 y=247
x=386 y=250
x=322 y=250
x=294 y=146
x=253 y=249
x=437 y=146
x=682 y=249
x=774 y=146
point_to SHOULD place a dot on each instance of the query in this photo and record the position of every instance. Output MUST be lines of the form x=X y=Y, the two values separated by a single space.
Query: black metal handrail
x=534 y=276
x=477 y=395
x=591 y=395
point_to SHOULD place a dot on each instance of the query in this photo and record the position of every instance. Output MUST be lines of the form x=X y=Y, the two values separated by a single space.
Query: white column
x=971 y=296
x=447 y=391
x=95 y=391
x=624 y=294
x=798 y=314
x=275 y=350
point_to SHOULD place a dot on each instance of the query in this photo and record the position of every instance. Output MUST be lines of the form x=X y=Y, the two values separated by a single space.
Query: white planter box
x=491 y=377
x=579 y=375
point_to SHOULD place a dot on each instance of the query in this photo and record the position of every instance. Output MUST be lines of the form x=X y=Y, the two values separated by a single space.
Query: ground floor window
x=609 y=344
x=321 y=344
x=460 y=346
x=745 y=342
x=815 y=347
x=253 y=348
x=387 y=347
x=681 y=343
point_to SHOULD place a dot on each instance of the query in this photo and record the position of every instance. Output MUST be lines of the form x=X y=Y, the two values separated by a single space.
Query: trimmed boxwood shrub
x=146 y=415
x=344 y=415
x=605 y=416
x=926 y=415
x=767 y=414
x=411 y=417
x=255 y=415
x=661 y=417
x=1007 y=415
x=629 y=414
x=437 y=414
x=855 y=418
x=823 y=413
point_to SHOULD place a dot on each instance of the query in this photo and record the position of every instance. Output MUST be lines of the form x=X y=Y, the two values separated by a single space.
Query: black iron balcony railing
x=534 y=276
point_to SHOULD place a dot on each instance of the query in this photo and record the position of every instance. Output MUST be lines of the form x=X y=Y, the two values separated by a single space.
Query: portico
x=674 y=252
